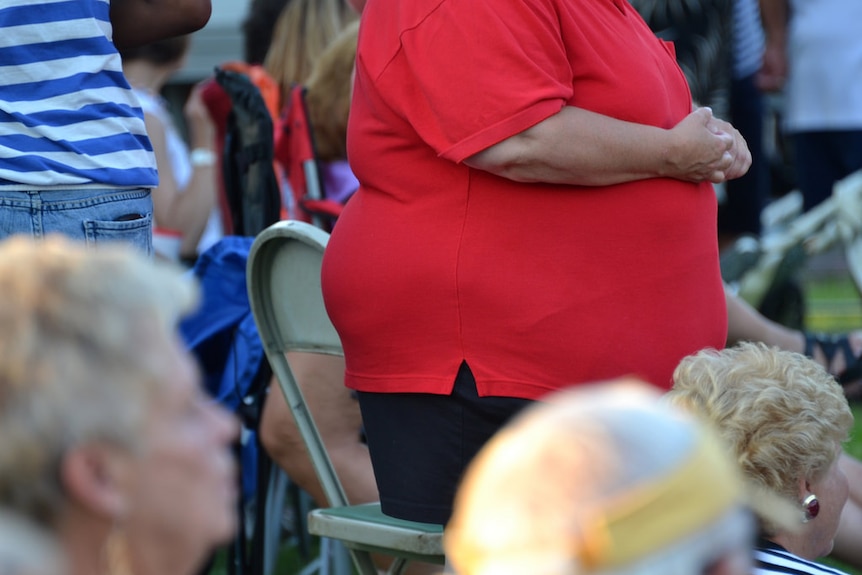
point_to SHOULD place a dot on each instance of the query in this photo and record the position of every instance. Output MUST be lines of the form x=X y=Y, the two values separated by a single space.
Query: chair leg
x=398 y=566
x=335 y=558
x=275 y=502
x=236 y=555
x=302 y=504
x=363 y=563
x=316 y=566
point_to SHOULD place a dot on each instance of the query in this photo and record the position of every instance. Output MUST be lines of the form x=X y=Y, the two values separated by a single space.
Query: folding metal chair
x=284 y=288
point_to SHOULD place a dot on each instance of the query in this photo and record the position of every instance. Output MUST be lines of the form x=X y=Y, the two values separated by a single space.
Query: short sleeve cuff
x=502 y=130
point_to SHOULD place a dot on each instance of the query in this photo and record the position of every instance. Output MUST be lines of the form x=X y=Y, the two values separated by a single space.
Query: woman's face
x=831 y=491
x=184 y=485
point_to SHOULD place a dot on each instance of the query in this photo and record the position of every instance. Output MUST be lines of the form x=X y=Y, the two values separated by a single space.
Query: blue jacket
x=222 y=334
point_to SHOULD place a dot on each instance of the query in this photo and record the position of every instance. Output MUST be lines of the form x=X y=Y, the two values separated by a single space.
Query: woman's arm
x=139 y=22
x=744 y=323
x=579 y=147
x=187 y=210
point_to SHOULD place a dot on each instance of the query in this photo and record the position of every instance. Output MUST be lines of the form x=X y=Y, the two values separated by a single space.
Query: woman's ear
x=803 y=489
x=95 y=476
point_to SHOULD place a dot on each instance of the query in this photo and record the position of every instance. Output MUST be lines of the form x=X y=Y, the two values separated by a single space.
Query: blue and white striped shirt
x=68 y=117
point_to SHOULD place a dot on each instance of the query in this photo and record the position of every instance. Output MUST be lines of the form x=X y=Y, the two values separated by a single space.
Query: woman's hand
x=773 y=73
x=738 y=150
x=198 y=120
x=705 y=148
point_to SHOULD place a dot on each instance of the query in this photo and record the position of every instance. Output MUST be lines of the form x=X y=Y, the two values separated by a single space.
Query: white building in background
x=219 y=41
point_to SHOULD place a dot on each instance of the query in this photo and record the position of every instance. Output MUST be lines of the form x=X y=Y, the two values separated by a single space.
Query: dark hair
x=161 y=52
x=257 y=28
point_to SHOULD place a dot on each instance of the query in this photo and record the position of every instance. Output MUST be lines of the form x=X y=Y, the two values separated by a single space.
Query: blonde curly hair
x=82 y=332
x=780 y=412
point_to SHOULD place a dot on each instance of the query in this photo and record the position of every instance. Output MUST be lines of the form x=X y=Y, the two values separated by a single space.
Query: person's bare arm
x=139 y=22
x=774 y=15
x=744 y=323
x=186 y=210
x=579 y=147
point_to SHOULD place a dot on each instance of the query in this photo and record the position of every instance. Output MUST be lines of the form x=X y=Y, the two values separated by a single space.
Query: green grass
x=833 y=304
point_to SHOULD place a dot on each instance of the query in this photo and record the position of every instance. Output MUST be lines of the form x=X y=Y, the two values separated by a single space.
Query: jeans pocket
x=135 y=230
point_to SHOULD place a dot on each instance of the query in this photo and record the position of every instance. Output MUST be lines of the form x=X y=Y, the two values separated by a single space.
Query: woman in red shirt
x=535 y=211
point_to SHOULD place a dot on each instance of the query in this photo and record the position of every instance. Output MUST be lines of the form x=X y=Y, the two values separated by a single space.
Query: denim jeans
x=94 y=216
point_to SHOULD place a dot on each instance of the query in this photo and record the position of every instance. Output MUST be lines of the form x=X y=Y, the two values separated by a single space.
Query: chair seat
x=366 y=527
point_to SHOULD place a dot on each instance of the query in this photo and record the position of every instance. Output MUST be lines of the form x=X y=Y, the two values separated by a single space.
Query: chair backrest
x=295 y=150
x=283 y=278
x=250 y=191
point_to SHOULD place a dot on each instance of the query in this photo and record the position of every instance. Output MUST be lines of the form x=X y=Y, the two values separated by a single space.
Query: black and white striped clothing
x=772 y=559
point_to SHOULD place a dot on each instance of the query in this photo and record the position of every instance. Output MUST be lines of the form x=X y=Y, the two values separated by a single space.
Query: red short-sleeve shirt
x=536 y=286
